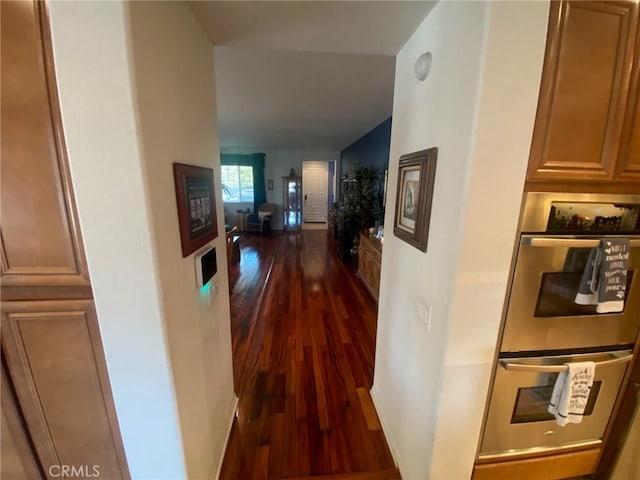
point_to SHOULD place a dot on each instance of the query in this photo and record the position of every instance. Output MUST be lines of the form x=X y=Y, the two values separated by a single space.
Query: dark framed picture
x=196 y=206
x=416 y=176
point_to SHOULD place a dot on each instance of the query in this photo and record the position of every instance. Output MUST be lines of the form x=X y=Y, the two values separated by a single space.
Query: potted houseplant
x=360 y=207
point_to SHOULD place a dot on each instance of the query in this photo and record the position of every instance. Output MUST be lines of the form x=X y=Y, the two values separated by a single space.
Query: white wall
x=477 y=106
x=173 y=68
x=90 y=53
x=504 y=126
x=277 y=164
x=137 y=93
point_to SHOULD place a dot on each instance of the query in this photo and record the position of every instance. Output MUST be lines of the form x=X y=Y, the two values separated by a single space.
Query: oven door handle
x=617 y=359
x=568 y=242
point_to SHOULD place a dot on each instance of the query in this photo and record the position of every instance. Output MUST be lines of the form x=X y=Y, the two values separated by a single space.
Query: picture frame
x=196 y=203
x=414 y=196
x=384 y=187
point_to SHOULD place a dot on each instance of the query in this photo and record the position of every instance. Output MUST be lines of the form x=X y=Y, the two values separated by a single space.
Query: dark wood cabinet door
x=55 y=360
x=584 y=90
x=42 y=254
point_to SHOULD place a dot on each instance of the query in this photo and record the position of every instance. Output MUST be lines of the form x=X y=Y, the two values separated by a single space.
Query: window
x=239 y=181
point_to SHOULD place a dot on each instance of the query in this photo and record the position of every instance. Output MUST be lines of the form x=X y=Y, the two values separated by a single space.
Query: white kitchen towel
x=613 y=275
x=571 y=392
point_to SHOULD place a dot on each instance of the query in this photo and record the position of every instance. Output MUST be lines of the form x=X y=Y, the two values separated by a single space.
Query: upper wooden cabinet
x=42 y=255
x=628 y=166
x=586 y=95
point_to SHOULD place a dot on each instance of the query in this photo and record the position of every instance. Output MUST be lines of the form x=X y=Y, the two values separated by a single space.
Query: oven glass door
x=518 y=420
x=542 y=313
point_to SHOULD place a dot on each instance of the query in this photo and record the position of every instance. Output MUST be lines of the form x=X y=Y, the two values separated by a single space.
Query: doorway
x=315 y=188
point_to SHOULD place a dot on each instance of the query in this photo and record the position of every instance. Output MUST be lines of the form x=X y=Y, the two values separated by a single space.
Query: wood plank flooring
x=303 y=353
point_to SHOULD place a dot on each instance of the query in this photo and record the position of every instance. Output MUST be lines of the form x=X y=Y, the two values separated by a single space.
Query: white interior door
x=315 y=186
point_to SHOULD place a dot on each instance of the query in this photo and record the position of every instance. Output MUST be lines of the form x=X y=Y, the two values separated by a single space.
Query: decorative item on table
x=196 y=206
x=416 y=177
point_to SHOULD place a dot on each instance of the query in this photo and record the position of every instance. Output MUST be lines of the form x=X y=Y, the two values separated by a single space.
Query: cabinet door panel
x=369 y=259
x=17 y=459
x=40 y=237
x=55 y=360
x=628 y=166
x=585 y=83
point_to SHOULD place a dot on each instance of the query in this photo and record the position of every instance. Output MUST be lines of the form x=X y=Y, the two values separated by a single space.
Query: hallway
x=303 y=353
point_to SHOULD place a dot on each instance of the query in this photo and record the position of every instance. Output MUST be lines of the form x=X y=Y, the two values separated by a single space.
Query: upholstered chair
x=261 y=220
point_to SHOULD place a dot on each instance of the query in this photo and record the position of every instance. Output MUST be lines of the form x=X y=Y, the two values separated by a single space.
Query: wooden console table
x=369 y=261
x=233 y=247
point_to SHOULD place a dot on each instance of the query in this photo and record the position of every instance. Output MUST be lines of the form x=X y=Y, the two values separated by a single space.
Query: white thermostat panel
x=206 y=266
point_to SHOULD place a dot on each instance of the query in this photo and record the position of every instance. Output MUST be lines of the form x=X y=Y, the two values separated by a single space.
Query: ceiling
x=305 y=74
x=298 y=100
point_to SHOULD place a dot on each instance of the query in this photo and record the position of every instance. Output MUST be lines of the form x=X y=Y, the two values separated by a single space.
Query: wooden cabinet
x=41 y=244
x=586 y=139
x=17 y=461
x=628 y=166
x=550 y=467
x=585 y=129
x=55 y=361
x=369 y=261
x=621 y=425
x=54 y=370
x=291 y=203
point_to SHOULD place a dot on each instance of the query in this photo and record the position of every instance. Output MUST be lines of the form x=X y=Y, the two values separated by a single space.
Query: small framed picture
x=196 y=206
x=416 y=176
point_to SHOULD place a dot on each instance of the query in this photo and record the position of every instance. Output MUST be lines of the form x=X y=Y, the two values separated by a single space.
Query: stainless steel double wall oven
x=544 y=328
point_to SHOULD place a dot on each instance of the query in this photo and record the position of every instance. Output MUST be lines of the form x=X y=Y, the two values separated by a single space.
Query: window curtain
x=256 y=161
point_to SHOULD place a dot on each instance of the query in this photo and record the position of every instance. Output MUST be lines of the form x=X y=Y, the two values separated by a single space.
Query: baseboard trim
x=234 y=407
x=395 y=453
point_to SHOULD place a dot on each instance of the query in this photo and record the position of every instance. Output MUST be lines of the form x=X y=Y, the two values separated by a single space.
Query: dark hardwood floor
x=303 y=354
